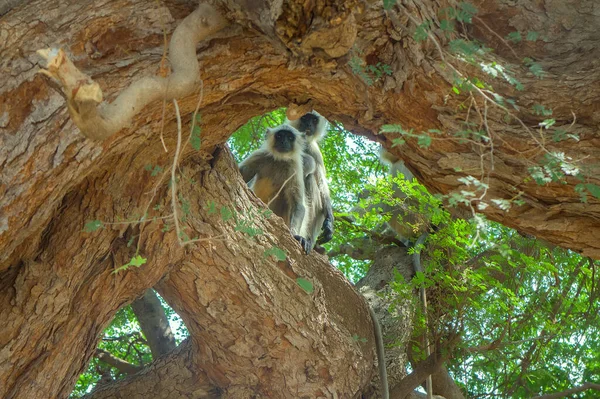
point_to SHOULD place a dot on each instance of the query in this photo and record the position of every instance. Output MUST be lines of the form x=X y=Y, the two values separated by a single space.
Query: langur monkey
x=320 y=212
x=277 y=171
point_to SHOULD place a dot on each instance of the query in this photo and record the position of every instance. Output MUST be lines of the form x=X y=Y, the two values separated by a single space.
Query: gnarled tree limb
x=98 y=120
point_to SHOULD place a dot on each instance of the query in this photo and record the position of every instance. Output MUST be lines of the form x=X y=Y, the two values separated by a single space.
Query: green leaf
x=532 y=36
x=156 y=170
x=580 y=189
x=388 y=4
x=398 y=141
x=515 y=37
x=468 y=7
x=245 y=226
x=446 y=25
x=92 y=226
x=424 y=141
x=212 y=208
x=547 y=123
x=136 y=261
x=278 y=253
x=539 y=109
x=421 y=31
x=466 y=12
x=195 y=139
x=466 y=47
x=305 y=285
x=536 y=70
x=226 y=213
x=593 y=189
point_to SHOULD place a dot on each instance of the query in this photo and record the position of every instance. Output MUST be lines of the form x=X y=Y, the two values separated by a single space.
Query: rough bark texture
x=57 y=292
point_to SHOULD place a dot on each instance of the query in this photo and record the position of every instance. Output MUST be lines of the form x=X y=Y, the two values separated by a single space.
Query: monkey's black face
x=284 y=141
x=308 y=124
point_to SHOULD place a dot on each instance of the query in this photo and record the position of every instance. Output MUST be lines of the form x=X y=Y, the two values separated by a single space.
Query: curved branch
x=562 y=394
x=98 y=120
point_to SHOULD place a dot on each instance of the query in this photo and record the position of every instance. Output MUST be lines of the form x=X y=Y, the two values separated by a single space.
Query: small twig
x=193 y=124
x=162 y=125
x=173 y=176
x=139 y=221
x=487 y=128
x=282 y=186
x=220 y=237
x=498 y=36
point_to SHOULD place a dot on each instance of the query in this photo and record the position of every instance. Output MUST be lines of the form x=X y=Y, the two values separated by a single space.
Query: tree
x=262 y=323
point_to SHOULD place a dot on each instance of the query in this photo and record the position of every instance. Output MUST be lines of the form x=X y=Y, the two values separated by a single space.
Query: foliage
x=124 y=339
x=369 y=73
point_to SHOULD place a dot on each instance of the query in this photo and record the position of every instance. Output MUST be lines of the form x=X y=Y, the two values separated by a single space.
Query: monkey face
x=308 y=124
x=284 y=140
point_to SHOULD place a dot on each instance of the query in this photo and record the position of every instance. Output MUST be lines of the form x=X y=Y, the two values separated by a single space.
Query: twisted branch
x=99 y=120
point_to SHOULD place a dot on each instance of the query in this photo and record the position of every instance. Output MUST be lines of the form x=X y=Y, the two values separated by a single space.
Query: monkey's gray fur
x=277 y=174
x=319 y=210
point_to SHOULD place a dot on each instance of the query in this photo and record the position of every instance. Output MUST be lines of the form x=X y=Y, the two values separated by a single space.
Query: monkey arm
x=295 y=198
x=298 y=211
x=309 y=166
x=251 y=165
x=297 y=215
x=327 y=209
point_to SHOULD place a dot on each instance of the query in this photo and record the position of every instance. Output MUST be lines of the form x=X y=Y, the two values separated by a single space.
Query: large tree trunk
x=253 y=330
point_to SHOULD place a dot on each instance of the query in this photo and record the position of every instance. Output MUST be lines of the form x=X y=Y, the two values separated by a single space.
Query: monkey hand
x=305 y=243
x=327 y=233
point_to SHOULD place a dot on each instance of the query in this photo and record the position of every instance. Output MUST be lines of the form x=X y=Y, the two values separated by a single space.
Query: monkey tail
x=385 y=389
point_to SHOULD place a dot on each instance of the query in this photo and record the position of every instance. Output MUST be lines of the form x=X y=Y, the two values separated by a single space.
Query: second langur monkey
x=277 y=174
x=320 y=212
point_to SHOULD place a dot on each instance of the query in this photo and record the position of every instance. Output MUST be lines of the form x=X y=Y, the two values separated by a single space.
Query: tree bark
x=154 y=323
x=253 y=329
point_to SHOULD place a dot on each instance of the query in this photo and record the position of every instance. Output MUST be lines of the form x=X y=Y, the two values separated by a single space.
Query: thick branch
x=98 y=120
x=170 y=376
x=154 y=323
x=421 y=371
x=119 y=364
